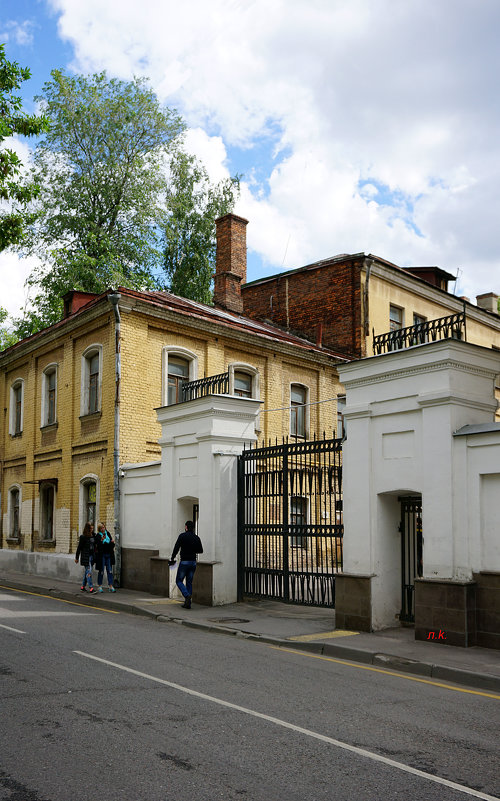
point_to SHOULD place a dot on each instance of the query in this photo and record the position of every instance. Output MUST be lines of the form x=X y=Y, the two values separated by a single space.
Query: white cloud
x=397 y=96
x=14 y=271
x=210 y=150
x=20 y=147
x=19 y=32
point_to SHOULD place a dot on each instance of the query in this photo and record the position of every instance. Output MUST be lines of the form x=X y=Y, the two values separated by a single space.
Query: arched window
x=179 y=365
x=14 y=512
x=89 y=500
x=91 y=380
x=49 y=395
x=16 y=413
x=178 y=375
x=242 y=384
x=243 y=380
x=47 y=505
x=299 y=417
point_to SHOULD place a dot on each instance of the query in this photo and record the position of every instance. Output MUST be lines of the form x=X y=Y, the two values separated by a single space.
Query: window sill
x=49 y=427
x=17 y=434
x=91 y=416
x=46 y=543
x=13 y=540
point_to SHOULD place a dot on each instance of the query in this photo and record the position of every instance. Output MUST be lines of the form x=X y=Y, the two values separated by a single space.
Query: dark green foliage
x=14 y=121
x=101 y=167
x=6 y=337
x=194 y=204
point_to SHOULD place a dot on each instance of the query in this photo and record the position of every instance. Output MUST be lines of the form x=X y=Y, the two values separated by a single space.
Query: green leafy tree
x=7 y=338
x=102 y=172
x=194 y=203
x=13 y=120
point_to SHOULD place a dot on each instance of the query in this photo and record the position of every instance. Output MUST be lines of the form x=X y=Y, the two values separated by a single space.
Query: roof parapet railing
x=451 y=327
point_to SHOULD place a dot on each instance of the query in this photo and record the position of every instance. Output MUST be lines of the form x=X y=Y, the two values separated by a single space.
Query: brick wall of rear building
x=329 y=296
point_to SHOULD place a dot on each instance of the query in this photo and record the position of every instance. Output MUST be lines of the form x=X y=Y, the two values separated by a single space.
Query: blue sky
x=358 y=126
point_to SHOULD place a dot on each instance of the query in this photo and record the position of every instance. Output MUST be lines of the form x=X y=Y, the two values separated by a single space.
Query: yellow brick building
x=118 y=358
x=59 y=394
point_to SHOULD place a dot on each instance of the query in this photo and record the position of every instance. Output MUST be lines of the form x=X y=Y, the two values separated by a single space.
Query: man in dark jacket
x=189 y=545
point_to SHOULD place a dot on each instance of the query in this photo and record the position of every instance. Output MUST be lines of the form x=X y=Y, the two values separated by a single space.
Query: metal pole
x=114 y=300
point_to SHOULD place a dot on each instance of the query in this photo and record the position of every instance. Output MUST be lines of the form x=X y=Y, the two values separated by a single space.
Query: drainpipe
x=366 y=303
x=114 y=300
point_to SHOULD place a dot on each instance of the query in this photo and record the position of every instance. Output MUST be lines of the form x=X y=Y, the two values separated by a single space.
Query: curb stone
x=468 y=678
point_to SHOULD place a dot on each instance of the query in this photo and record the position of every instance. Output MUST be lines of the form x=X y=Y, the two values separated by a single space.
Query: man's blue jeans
x=185 y=571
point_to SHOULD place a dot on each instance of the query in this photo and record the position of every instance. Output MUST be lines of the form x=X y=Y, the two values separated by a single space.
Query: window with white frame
x=14 y=512
x=47 y=503
x=49 y=395
x=243 y=380
x=395 y=318
x=89 y=500
x=16 y=414
x=178 y=375
x=298 y=410
x=242 y=384
x=179 y=366
x=91 y=381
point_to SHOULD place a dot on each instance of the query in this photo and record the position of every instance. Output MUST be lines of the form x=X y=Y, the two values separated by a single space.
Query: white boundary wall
x=402 y=411
x=140 y=505
x=200 y=441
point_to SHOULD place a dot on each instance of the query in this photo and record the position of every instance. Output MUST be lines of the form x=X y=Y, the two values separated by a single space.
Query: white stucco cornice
x=411 y=372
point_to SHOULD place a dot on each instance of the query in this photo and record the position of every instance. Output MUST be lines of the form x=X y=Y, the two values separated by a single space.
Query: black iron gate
x=411 y=554
x=290 y=526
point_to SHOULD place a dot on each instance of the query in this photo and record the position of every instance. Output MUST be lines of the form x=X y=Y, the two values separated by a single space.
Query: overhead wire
x=313 y=403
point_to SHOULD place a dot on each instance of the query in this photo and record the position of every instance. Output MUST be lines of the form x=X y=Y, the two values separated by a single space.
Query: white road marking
x=10 y=613
x=9 y=628
x=308 y=732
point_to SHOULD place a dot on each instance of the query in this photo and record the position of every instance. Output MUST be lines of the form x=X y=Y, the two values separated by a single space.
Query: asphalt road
x=100 y=704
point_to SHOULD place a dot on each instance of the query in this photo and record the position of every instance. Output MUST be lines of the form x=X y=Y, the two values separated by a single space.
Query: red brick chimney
x=74 y=300
x=230 y=262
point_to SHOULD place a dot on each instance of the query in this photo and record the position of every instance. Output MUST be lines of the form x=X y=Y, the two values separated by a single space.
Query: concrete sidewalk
x=295 y=627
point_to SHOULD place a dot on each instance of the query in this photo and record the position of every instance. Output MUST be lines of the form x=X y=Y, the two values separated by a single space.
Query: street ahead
x=100 y=704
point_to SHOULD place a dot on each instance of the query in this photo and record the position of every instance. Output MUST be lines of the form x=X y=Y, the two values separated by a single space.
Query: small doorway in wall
x=188 y=509
x=412 y=550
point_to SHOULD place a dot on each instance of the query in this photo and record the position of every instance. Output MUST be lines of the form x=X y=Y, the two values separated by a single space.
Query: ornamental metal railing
x=213 y=385
x=290 y=521
x=451 y=327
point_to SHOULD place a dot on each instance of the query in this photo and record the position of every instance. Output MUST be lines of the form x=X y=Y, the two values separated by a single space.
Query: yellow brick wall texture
x=66 y=451
x=79 y=447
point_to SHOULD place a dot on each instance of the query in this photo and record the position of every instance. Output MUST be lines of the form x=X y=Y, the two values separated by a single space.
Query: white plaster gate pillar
x=201 y=440
x=401 y=411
